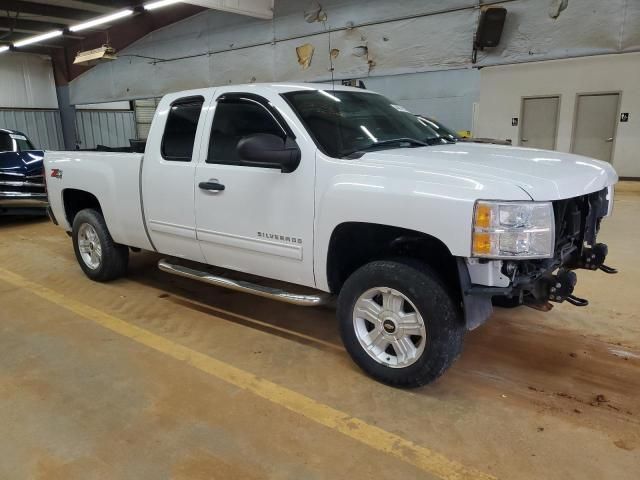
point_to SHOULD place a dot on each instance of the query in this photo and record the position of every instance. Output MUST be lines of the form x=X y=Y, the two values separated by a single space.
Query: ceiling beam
x=28 y=26
x=253 y=8
x=110 y=4
x=36 y=10
x=95 y=7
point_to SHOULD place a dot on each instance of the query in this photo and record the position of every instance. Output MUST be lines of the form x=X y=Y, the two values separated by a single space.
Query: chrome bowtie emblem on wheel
x=389 y=326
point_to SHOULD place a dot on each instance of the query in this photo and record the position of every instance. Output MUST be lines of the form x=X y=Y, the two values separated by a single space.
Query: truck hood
x=542 y=174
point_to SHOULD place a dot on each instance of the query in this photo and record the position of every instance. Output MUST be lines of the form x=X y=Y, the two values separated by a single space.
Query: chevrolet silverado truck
x=22 y=184
x=343 y=192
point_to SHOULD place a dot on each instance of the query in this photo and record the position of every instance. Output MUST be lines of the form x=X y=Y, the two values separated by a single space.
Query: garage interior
x=155 y=376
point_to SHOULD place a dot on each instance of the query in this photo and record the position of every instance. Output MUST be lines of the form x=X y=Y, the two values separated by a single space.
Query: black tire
x=442 y=318
x=115 y=257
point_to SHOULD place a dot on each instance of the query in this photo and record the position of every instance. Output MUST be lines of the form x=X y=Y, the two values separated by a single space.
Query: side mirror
x=269 y=151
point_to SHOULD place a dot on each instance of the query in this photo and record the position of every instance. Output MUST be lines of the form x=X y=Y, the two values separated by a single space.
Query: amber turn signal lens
x=481 y=243
x=483 y=216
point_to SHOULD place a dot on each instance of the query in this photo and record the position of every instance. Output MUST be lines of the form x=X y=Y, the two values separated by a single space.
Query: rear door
x=168 y=174
x=262 y=222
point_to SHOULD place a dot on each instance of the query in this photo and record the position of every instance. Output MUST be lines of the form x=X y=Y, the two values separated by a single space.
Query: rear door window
x=180 y=130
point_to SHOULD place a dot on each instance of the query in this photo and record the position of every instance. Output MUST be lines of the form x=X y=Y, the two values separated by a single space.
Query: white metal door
x=539 y=122
x=595 y=127
x=168 y=175
x=262 y=222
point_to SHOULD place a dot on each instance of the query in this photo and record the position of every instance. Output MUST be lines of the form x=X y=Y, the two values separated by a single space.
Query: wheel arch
x=353 y=244
x=74 y=200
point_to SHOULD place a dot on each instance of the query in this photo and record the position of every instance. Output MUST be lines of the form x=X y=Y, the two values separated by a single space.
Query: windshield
x=346 y=122
x=14 y=142
x=442 y=130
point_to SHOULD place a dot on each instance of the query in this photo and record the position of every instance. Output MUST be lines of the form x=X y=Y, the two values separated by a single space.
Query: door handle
x=525 y=139
x=609 y=140
x=212 y=185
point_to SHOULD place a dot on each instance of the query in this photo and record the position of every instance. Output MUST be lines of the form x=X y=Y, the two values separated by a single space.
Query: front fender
x=432 y=203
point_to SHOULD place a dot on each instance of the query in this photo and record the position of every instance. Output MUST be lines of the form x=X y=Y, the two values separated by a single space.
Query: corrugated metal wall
x=145 y=110
x=105 y=127
x=43 y=127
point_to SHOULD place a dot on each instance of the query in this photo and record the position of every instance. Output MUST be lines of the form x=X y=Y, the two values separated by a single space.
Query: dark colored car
x=22 y=182
x=451 y=135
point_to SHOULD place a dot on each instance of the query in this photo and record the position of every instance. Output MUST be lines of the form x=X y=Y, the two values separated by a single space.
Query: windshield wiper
x=392 y=141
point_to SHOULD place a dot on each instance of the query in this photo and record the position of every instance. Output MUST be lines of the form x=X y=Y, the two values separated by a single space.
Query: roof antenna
x=333 y=82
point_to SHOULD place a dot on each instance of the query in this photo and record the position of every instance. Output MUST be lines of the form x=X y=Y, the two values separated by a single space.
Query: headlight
x=513 y=230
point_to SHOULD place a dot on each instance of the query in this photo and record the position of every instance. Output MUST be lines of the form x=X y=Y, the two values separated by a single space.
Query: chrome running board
x=318 y=299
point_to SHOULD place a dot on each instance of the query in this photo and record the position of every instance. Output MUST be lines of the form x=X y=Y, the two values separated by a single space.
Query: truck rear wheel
x=99 y=256
x=399 y=322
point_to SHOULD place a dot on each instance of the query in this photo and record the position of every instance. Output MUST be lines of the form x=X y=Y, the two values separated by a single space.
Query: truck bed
x=112 y=178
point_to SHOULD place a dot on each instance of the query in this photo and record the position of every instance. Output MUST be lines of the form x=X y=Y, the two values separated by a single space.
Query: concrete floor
x=158 y=377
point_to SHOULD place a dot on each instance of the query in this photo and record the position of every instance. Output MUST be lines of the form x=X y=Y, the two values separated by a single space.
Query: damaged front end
x=538 y=282
x=577 y=222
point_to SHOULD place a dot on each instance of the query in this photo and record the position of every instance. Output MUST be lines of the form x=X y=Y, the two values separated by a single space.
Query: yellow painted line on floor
x=370 y=435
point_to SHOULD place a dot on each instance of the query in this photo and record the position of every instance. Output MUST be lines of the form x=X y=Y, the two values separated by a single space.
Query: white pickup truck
x=340 y=190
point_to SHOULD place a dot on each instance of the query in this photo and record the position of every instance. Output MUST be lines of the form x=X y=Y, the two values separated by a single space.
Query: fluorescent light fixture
x=4 y=48
x=37 y=38
x=160 y=4
x=101 y=20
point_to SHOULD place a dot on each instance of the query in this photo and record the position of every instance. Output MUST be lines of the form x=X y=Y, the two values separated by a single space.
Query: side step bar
x=245 y=287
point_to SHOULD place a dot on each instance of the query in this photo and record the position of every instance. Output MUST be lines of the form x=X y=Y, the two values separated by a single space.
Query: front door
x=539 y=122
x=250 y=218
x=595 y=127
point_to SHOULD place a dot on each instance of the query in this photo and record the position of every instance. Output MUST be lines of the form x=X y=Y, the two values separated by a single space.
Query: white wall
x=26 y=81
x=402 y=37
x=502 y=89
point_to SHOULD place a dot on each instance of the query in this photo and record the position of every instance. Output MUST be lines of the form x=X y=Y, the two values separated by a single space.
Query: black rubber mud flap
x=477 y=308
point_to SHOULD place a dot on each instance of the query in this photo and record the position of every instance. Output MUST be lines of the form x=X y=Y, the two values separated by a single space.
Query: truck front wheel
x=399 y=322
x=99 y=256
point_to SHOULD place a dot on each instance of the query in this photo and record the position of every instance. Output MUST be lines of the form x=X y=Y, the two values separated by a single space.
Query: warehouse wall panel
x=446 y=95
x=378 y=39
x=26 y=81
x=43 y=127
x=105 y=127
x=145 y=109
x=502 y=89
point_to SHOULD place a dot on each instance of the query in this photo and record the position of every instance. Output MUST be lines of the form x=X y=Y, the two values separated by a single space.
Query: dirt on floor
x=535 y=395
